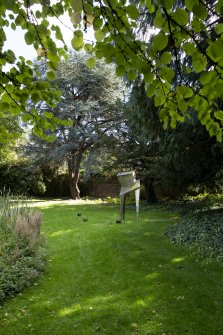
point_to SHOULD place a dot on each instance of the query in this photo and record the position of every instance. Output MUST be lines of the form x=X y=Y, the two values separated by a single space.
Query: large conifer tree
x=91 y=101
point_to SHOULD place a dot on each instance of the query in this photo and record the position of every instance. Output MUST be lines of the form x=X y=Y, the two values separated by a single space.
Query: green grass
x=107 y=278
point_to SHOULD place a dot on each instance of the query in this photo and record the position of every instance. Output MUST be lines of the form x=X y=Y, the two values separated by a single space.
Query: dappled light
x=61 y=232
x=115 y=279
x=177 y=259
x=152 y=275
x=62 y=202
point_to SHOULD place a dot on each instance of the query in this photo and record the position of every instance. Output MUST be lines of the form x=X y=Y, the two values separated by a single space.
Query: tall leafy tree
x=91 y=101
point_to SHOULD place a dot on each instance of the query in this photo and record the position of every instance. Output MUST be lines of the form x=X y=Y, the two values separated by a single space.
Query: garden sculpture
x=128 y=183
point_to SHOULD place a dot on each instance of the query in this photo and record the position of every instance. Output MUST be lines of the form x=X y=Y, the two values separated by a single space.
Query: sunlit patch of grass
x=177 y=259
x=107 y=278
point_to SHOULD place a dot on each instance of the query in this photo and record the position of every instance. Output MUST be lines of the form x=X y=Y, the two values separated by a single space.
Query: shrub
x=22 y=248
x=201 y=227
x=20 y=178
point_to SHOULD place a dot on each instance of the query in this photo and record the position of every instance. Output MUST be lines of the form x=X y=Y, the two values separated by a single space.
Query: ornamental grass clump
x=22 y=250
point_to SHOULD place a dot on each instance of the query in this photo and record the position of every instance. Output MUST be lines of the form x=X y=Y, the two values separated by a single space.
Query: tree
x=193 y=31
x=172 y=160
x=91 y=101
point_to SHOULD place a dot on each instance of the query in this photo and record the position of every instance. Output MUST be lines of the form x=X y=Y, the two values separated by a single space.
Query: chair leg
x=122 y=206
x=137 y=196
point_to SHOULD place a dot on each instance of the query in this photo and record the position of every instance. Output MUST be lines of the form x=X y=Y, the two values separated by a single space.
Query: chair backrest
x=127 y=179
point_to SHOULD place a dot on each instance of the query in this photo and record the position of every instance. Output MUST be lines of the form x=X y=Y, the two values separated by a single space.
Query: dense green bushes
x=19 y=178
x=22 y=250
x=201 y=226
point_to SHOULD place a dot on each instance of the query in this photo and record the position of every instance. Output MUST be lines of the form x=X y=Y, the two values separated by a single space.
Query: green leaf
x=148 y=3
x=190 y=4
x=213 y=130
x=132 y=75
x=197 y=25
x=99 y=54
x=158 y=21
x=203 y=116
x=113 y=3
x=188 y=92
x=91 y=62
x=29 y=37
x=97 y=23
x=151 y=9
x=219 y=136
x=132 y=12
x=180 y=91
x=13 y=26
x=166 y=3
x=182 y=105
x=48 y=115
x=42 y=29
x=218 y=115
x=180 y=16
x=35 y=97
x=150 y=90
x=219 y=6
x=108 y=50
x=166 y=57
x=206 y=77
x=159 y=98
x=199 y=62
x=148 y=77
x=162 y=114
x=189 y=48
x=219 y=28
x=215 y=50
x=25 y=117
x=99 y=35
x=167 y=73
x=120 y=71
x=77 y=5
x=88 y=48
x=77 y=41
x=4 y=107
x=38 y=14
x=9 y=4
x=160 y=41
x=200 y=11
x=75 y=18
x=50 y=75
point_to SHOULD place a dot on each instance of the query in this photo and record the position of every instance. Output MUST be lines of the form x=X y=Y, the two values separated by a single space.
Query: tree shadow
x=116 y=279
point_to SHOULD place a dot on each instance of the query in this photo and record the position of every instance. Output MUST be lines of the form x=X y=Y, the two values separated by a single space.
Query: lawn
x=108 y=278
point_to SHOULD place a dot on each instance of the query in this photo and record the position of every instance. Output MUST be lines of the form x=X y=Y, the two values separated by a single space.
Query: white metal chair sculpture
x=128 y=183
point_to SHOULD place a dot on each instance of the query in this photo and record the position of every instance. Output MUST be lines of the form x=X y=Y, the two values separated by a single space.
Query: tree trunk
x=150 y=191
x=73 y=163
x=73 y=184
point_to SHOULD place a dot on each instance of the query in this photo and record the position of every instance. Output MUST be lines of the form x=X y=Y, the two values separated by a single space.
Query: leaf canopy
x=185 y=50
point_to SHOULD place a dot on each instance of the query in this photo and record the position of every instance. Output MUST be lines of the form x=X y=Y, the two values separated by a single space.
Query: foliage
x=172 y=161
x=92 y=116
x=11 y=130
x=200 y=227
x=186 y=43
x=22 y=251
x=20 y=177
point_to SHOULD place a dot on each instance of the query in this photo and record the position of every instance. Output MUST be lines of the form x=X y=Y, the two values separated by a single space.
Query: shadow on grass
x=105 y=278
